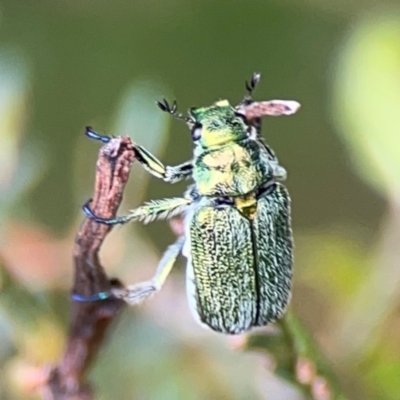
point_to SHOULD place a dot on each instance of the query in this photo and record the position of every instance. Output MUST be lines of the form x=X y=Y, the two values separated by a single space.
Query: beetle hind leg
x=156 y=209
x=138 y=292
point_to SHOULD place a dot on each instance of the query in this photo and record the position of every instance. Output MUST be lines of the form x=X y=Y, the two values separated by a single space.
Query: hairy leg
x=136 y=293
x=155 y=209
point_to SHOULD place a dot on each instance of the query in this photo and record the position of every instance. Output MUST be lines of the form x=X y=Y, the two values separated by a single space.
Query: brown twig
x=90 y=320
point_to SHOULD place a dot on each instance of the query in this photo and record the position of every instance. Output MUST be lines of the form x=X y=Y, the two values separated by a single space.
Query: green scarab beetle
x=237 y=237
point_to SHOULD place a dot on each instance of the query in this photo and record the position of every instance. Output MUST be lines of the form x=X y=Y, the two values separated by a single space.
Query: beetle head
x=217 y=125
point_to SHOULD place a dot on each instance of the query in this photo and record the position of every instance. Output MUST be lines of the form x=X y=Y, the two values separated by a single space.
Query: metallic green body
x=238 y=238
x=240 y=262
x=233 y=169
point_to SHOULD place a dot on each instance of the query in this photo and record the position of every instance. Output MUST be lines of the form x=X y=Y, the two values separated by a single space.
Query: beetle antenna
x=250 y=86
x=172 y=109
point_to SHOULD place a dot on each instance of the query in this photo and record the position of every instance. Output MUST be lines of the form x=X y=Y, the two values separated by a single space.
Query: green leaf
x=367 y=99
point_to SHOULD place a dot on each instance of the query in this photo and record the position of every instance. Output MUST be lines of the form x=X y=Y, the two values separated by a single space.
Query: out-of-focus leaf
x=35 y=257
x=381 y=369
x=297 y=357
x=24 y=379
x=367 y=99
x=19 y=162
x=138 y=117
x=5 y=335
x=332 y=264
x=13 y=91
x=35 y=329
x=155 y=363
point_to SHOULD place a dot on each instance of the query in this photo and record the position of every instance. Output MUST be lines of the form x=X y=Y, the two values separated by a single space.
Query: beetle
x=237 y=226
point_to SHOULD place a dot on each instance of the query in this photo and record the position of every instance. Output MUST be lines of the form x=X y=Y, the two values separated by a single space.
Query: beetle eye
x=196 y=132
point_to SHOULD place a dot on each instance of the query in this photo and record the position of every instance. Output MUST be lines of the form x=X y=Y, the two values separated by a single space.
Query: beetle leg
x=179 y=172
x=96 y=136
x=158 y=169
x=136 y=293
x=156 y=209
x=150 y=162
x=273 y=108
x=91 y=298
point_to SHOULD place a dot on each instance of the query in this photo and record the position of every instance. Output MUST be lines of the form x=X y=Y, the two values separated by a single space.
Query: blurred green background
x=68 y=64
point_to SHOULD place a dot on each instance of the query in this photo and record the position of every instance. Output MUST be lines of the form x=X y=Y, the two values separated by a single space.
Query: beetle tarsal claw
x=134 y=294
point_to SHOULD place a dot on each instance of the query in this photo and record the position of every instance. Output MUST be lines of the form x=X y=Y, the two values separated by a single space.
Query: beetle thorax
x=228 y=170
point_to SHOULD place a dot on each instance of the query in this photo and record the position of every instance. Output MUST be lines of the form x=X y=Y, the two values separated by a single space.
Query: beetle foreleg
x=150 y=162
x=96 y=136
x=134 y=294
x=168 y=174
